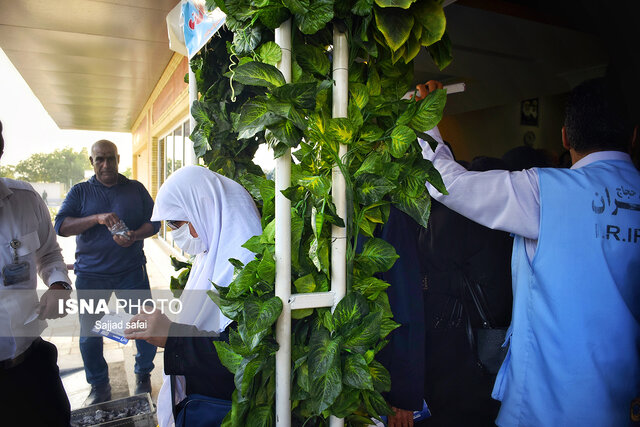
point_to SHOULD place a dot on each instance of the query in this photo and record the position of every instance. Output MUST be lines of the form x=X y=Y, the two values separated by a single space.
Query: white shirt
x=25 y=217
x=501 y=200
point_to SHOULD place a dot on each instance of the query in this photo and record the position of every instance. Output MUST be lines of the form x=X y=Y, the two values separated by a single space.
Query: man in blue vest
x=109 y=256
x=574 y=339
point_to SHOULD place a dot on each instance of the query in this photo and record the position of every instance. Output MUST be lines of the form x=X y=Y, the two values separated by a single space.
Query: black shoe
x=99 y=393
x=143 y=383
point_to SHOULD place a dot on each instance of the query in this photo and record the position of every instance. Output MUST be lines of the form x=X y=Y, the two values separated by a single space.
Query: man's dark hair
x=593 y=119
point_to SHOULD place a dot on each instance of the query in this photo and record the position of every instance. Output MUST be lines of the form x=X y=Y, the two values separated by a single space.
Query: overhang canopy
x=91 y=63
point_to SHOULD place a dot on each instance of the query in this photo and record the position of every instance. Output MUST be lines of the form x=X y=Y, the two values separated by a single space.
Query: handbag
x=487 y=341
x=197 y=410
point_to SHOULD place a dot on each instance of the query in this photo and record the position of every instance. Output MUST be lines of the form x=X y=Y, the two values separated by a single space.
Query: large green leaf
x=371 y=133
x=254 y=117
x=346 y=403
x=359 y=94
x=425 y=171
x=404 y=4
x=370 y=287
x=441 y=52
x=317 y=185
x=319 y=254
x=260 y=416
x=380 y=377
x=371 y=188
x=429 y=111
x=302 y=95
x=430 y=14
x=267 y=267
x=286 y=132
x=362 y=7
x=376 y=256
x=244 y=377
x=273 y=15
x=296 y=6
x=246 y=39
x=365 y=335
x=375 y=404
x=355 y=372
x=401 y=138
x=258 y=74
x=341 y=130
x=395 y=25
x=260 y=315
x=305 y=284
x=387 y=326
x=416 y=207
x=318 y=14
x=326 y=388
x=229 y=358
x=313 y=59
x=349 y=310
x=270 y=53
x=324 y=352
x=244 y=280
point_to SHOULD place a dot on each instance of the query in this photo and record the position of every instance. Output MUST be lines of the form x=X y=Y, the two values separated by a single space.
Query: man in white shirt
x=31 y=391
x=574 y=340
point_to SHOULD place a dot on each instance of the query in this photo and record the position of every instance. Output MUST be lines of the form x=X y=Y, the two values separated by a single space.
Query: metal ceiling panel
x=92 y=64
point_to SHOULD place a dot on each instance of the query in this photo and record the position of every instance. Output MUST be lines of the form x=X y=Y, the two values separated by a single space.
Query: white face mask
x=185 y=241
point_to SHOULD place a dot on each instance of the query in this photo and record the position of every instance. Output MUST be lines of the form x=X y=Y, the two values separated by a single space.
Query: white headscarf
x=224 y=216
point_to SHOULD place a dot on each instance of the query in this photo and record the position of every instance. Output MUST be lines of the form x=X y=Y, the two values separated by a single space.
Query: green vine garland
x=246 y=102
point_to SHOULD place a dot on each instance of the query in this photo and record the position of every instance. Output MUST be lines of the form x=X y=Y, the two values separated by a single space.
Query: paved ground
x=119 y=357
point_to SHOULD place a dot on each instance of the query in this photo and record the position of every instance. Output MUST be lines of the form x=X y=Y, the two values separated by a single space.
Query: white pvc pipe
x=190 y=155
x=338 y=191
x=283 y=254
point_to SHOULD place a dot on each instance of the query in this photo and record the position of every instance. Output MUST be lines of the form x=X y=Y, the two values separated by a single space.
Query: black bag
x=486 y=341
x=197 y=410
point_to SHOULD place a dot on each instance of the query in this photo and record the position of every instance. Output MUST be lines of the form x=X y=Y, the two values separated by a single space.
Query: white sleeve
x=50 y=264
x=501 y=200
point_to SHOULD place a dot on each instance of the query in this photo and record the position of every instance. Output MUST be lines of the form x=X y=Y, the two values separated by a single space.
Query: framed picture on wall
x=529 y=112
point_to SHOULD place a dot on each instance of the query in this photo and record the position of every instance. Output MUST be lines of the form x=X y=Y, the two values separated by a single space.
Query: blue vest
x=574 y=355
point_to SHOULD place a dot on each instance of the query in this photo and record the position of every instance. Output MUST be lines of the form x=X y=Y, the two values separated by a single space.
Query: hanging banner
x=199 y=25
x=190 y=26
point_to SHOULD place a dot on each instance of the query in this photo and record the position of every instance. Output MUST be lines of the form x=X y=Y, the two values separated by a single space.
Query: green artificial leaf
x=367 y=227
x=177 y=264
x=301 y=313
x=408 y=113
x=296 y=6
x=246 y=39
x=247 y=375
x=430 y=14
x=371 y=188
x=387 y=326
x=373 y=82
x=371 y=133
x=370 y=287
x=317 y=221
x=260 y=416
x=341 y=130
x=381 y=305
x=254 y=117
x=260 y=315
x=258 y=74
x=395 y=25
x=273 y=15
x=251 y=183
x=441 y=52
x=244 y=280
x=359 y=94
x=319 y=254
x=375 y=404
x=427 y=172
x=355 y=115
x=377 y=256
x=270 y=53
x=319 y=186
x=267 y=267
x=301 y=95
x=416 y=207
x=362 y=7
x=401 y=138
x=365 y=335
x=286 y=132
x=349 y=310
x=317 y=15
x=229 y=358
x=297 y=227
x=355 y=372
x=254 y=244
x=326 y=388
x=429 y=111
x=229 y=307
x=324 y=352
x=313 y=59
x=305 y=284
x=346 y=403
x=404 y=4
x=380 y=376
x=412 y=49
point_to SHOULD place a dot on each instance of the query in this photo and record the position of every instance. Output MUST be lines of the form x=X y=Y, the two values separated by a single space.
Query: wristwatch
x=65 y=285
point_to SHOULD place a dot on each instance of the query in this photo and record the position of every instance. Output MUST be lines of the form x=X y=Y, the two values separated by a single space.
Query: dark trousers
x=31 y=393
x=89 y=286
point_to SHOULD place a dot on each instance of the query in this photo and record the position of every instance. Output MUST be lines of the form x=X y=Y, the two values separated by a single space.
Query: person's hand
x=125 y=241
x=153 y=328
x=402 y=418
x=107 y=219
x=48 y=307
x=427 y=88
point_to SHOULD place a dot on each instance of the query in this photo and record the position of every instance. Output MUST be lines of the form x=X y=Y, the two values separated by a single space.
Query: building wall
x=167 y=107
x=494 y=131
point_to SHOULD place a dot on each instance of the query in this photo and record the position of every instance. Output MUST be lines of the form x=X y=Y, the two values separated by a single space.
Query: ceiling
x=91 y=63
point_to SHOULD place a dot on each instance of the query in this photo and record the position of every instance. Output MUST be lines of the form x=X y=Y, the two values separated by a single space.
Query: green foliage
x=64 y=165
x=247 y=102
x=178 y=283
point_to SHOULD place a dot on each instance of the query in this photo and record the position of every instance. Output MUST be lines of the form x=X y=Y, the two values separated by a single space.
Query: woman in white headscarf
x=211 y=217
